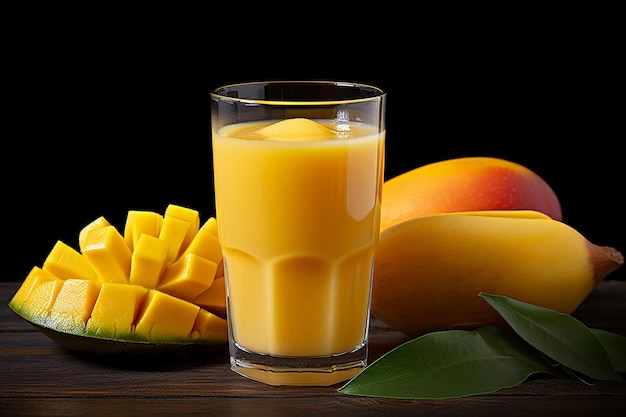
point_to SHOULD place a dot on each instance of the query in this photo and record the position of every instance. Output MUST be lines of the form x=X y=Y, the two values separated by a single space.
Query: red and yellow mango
x=466 y=184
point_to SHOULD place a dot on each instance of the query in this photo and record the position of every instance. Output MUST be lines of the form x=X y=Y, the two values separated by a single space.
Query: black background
x=112 y=114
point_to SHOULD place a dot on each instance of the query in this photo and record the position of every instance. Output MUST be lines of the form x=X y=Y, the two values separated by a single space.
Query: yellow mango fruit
x=476 y=183
x=430 y=270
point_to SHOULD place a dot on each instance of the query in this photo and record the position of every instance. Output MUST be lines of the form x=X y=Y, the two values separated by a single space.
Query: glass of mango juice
x=298 y=171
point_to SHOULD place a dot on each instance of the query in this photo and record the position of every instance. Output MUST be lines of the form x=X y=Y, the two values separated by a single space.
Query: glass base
x=311 y=371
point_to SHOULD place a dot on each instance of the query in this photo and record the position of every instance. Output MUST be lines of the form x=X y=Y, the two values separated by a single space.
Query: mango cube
x=148 y=261
x=96 y=224
x=108 y=254
x=189 y=215
x=165 y=318
x=115 y=310
x=140 y=222
x=37 y=294
x=211 y=225
x=34 y=278
x=66 y=262
x=213 y=298
x=206 y=243
x=73 y=305
x=174 y=231
x=210 y=327
x=188 y=277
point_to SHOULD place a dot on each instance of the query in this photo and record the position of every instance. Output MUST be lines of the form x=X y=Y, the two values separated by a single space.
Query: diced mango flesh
x=211 y=225
x=205 y=243
x=214 y=297
x=209 y=326
x=141 y=291
x=174 y=231
x=189 y=215
x=34 y=278
x=65 y=262
x=73 y=304
x=141 y=222
x=96 y=224
x=149 y=261
x=106 y=258
x=115 y=312
x=176 y=324
x=108 y=254
x=37 y=293
x=188 y=277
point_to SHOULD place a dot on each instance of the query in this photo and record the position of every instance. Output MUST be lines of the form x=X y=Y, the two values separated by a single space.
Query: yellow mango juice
x=298 y=216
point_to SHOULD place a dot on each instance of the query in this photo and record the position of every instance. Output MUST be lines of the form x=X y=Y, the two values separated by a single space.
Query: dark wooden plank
x=323 y=403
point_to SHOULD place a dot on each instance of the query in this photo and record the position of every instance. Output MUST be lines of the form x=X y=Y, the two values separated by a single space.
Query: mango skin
x=466 y=184
x=428 y=271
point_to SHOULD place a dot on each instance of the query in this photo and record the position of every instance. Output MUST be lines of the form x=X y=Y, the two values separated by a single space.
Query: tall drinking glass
x=298 y=170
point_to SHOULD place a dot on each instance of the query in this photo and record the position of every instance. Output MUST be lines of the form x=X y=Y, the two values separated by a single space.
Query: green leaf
x=451 y=364
x=615 y=346
x=559 y=336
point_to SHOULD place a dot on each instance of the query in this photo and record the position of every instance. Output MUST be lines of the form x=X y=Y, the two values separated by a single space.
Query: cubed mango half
x=136 y=287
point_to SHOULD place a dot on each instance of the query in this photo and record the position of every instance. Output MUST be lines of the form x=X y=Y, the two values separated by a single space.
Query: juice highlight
x=298 y=216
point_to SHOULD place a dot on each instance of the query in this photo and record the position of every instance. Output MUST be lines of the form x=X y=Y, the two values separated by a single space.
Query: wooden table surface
x=39 y=377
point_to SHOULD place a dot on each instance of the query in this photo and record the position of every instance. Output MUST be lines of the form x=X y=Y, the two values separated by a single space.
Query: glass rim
x=377 y=93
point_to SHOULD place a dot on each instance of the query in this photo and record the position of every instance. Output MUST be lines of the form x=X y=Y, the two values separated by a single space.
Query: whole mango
x=466 y=184
x=429 y=270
